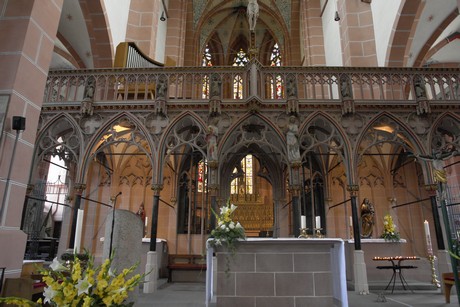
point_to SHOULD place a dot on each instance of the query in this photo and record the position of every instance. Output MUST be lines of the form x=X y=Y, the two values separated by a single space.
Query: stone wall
x=278 y=272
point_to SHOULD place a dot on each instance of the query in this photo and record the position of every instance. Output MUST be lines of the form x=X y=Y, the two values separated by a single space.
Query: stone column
x=436 y=219
x=253 y=80
x=79 y=187
x=28 y=33
x=151 y=280
x=359 y=265
x=213 y=190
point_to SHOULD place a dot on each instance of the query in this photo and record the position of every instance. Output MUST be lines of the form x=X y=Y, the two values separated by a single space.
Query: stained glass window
x=244 y=183
x=206 y=61
x=240 y=59
x=276 y=84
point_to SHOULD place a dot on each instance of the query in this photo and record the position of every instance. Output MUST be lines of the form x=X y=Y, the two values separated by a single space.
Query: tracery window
x=206 y=61
x=244 y=182
x=241 y=59
x=276 y=84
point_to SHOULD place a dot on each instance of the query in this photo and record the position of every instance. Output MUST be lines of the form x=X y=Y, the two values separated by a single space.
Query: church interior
x=323 y=118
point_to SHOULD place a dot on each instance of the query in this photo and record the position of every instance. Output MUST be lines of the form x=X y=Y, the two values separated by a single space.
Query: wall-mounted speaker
x=19 y=123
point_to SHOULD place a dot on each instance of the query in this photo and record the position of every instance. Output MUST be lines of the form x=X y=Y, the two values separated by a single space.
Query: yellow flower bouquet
x=389 y=229
x=77 y=283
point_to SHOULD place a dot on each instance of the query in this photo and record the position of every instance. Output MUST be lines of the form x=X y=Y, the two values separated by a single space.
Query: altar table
x=278 y=271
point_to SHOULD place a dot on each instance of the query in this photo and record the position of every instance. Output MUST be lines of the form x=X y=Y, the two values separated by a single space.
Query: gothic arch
x=100 y=38
x=132 y=133
x=185 y=133
x=48 y=141
x=253 y=134
x=321 y=133
x=387 y=128
x=216 y=21
x=445 y=133
x=403 y=31
x=387 y=142
x=428 y=50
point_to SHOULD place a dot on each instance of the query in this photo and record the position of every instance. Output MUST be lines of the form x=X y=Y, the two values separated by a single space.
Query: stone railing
x=269 y=84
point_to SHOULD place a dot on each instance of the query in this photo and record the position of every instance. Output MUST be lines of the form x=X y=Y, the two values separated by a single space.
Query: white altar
x=283 y=271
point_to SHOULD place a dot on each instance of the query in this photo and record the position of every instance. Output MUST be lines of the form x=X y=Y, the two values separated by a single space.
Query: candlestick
x=78 y=229
x=428 y=238
x=303 y=222
x=318 y=222
x=303 y=233
x=434 y=278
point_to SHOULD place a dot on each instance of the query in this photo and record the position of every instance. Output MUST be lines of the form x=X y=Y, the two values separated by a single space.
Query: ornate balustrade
x=270 y=84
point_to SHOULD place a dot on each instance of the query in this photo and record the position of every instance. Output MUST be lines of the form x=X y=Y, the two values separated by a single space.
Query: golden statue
x=367 y=218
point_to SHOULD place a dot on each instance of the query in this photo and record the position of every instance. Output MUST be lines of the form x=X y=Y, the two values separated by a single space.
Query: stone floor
x=193 y=294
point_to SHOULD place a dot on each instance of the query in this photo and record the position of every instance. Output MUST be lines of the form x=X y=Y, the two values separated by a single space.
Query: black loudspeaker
x=19 y=123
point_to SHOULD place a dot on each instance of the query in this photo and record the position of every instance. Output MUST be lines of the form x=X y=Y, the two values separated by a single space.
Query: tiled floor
x=193 y=295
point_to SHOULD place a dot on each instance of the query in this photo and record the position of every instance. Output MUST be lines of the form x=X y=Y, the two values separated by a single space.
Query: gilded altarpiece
x=253 y=213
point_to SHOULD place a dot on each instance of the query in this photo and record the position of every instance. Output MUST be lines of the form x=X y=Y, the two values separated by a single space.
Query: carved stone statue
x=161 y=89
x=367 y=218
x=216 y=84
x=345 y=88
x=291 y=88
x=211 y=138
x=292 y=140
x=253 y=13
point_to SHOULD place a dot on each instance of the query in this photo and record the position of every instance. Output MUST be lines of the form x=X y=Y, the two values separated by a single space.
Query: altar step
x=413 y=285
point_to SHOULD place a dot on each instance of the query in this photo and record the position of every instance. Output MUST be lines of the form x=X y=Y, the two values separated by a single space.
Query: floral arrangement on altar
x=227 y=231
x=389 y=229
x=79 y=283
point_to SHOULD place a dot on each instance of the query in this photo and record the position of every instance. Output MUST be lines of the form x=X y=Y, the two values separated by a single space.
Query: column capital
x=157 y=189
x=213 y=164
x=79 y=187
x=353 y=189
x=296 y=164
x=29 y=189
x=213 y=188
x=431 y=189
x=294 y=189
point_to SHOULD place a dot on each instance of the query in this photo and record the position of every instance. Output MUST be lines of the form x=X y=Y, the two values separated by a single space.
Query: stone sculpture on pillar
x=253 y=13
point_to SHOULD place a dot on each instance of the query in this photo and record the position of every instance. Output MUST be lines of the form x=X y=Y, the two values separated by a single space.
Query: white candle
x=303 y=222
x=428 y=238
x=146 y=221
x=78 y=229
x=318 y=222
x=351 y=221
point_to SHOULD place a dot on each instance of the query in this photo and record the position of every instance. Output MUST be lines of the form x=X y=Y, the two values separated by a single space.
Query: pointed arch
x=321 y=133
x=48 y=141
x=445 y=132
x=98 y=30
x=187 y=129
x=386 y=133
x=403 y=31
x=138 y=136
